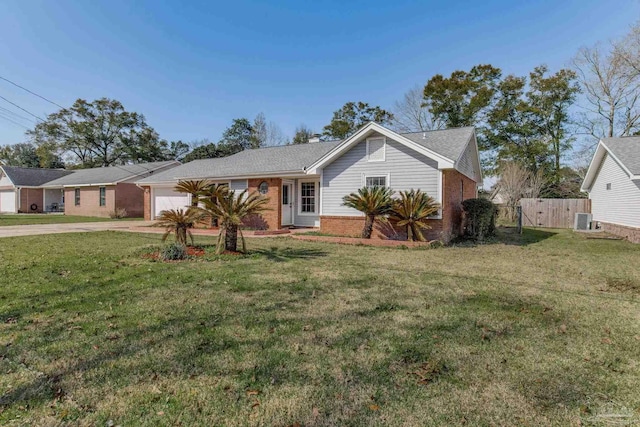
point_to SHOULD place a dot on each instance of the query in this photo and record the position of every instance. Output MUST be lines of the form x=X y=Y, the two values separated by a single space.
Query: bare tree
x=412 y=115
x=516 y=182
x=628 y=50
x=612 y=93
x=275 y=135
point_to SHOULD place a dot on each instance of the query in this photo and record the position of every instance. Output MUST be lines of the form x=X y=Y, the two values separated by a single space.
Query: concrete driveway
x=80 y=227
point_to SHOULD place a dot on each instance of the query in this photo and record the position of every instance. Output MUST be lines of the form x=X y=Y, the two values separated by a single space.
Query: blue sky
x=191 y=67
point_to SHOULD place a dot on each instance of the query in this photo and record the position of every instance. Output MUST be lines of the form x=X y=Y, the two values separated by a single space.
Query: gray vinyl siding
x=238 y=184
x=466 y=164
x=406 y=169
x=304 y=220
x=621 y=204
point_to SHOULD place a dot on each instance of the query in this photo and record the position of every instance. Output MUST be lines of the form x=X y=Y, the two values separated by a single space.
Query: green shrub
x=173 y=252
x=480 y=218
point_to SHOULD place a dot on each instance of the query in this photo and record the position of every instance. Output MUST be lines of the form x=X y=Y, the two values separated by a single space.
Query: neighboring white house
x=613 y=184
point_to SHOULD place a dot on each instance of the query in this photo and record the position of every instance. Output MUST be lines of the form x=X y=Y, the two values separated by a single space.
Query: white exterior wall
x=467 y=164
x=238 y=184
x=405 y=168
x=621 y=204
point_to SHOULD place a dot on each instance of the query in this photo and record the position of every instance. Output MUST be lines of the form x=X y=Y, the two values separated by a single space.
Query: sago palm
x=179 y=222
x=412 y=210
x=193 y=187
x=374 y=202
x=231 y=209
x=211 y=192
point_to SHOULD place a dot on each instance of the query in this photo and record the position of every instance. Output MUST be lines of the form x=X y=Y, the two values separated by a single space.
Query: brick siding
x=147 y=203
x=271 y=219
x=28 y=197
x=632 y=234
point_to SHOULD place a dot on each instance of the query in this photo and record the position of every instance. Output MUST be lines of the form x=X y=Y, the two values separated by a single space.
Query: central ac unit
x=582 y=221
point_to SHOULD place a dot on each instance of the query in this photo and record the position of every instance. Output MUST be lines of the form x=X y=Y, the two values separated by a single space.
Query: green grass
x=27 y=219
x=541 y=329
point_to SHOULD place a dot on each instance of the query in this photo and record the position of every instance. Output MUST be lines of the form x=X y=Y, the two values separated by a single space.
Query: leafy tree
x=461 y=99
x=98 y=133
x=230 y=210
x=29 y=156
x=302 y=135
x=374 y=202
x=179 y=222
x=411 y=114
x=352 y=116
x=239 y=136
x=176 y=150
x=412 y=211
x=205 y=151
x=550 y=98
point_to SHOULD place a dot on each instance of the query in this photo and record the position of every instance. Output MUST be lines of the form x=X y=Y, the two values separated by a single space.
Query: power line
x=7 y=111
x=25 y=110
x=12 y=121
x=31 y=92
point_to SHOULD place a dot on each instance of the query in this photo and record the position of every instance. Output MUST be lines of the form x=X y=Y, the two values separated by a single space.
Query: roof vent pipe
x=424 y=135
x=314 y=138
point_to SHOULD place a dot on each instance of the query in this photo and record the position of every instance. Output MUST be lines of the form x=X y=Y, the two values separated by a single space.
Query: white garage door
x=8 y=201
x=167 y=198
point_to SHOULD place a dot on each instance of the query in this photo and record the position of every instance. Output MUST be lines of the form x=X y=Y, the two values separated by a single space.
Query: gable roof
x=444 y=146
x=108 y=175
x=260 y=161
x=624 y=150
x=32 y=177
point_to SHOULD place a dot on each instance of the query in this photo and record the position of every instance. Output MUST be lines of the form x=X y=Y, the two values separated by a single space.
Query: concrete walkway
x=80 y=227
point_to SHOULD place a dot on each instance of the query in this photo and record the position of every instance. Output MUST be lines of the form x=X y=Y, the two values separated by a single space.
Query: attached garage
x=8 y=201
x=165 y=198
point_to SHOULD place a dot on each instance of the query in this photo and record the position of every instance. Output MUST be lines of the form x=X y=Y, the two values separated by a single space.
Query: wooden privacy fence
x=552 y=213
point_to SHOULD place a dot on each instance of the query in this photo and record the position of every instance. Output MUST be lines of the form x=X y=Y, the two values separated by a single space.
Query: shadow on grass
x=510 y=236
x=277 y=254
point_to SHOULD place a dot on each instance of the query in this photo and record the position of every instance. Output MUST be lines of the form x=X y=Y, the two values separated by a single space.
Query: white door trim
x=290 y=184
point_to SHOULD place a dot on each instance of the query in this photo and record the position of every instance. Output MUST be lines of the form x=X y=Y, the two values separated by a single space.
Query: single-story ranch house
x=613 y=184
x=306 y=183
x=21 y=189
x=84 y=192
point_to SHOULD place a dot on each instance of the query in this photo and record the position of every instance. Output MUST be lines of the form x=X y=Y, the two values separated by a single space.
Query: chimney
x=314 y=138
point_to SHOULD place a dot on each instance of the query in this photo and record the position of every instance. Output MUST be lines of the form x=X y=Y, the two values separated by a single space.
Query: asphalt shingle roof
x=627 y=150
x=286 y=158
x=32 y=177
x=449 y=143
x=107 y=175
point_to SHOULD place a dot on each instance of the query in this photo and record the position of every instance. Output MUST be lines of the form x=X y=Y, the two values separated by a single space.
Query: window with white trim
x=375 y=149
x=375 y=181
x=307 y=197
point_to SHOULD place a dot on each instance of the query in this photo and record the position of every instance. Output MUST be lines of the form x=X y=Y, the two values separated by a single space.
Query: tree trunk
x=368 y=227
x=231 y=238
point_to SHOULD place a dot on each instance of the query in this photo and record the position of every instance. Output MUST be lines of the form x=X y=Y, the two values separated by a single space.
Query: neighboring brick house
x=21 y=189
x=613 y=184
x=305 y=183
x=100 y=191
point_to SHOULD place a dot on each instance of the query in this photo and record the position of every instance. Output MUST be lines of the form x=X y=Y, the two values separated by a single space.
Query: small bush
x=173 y=252
x=118 y=213
x=480 y=218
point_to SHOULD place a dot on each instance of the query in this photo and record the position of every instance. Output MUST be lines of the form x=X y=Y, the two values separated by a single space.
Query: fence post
x=519 y=218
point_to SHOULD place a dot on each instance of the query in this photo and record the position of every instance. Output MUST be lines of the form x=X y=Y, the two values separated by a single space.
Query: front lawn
x=27 y=219
x=539 y=330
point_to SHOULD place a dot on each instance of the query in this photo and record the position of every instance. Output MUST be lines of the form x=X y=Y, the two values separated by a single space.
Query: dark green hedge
x=480 y=218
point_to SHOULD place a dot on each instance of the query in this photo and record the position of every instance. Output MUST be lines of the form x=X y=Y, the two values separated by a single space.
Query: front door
x=287 y=203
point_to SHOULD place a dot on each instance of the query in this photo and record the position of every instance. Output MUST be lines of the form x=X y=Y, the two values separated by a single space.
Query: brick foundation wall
x=351 y=226
x=28 y=197
x=131 y=198
x=147 y=203
x=632 y=234
x=270 y=219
